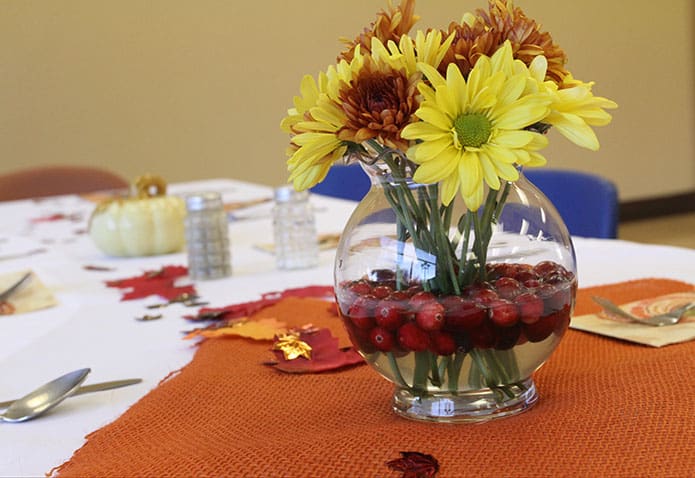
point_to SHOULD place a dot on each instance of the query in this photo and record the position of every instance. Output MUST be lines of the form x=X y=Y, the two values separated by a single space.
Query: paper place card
x=606 y=323
x=31 y=295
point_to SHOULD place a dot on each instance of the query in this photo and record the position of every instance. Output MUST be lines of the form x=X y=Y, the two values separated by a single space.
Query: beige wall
x=195 y=89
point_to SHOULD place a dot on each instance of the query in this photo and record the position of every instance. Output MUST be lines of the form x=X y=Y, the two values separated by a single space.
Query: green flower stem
x=441 y=237
x=422 y=366
x=443 y=368
x=398 y=377
x=454 y=371
x=436 y=377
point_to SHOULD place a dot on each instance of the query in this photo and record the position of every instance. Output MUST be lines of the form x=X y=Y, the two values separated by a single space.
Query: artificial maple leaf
x=325 y=355
x=262 y=329
x=246 y=309
x=414 y=464
x=292 y=347
x=159 y=282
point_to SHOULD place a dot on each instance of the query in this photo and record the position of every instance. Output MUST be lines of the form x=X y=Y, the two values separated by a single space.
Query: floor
x=675 y=230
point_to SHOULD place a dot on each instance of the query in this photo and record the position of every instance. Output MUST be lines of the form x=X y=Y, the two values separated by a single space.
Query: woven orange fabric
x=607 y=408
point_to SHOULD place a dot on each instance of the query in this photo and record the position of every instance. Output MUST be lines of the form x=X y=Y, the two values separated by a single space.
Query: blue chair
x=587 y=203
x=345 y=182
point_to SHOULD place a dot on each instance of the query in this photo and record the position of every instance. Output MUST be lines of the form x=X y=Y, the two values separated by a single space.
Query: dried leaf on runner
x=414 y=464
x=292 y=347
x=246 y=309
x=261 y=329
x=325 y=355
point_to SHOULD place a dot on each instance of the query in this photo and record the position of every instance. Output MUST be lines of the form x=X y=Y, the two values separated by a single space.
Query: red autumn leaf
x=325 y=355
x=163 y=290
x=414 y=464
x=158 y=282
x=166 y=274
x=247 y=309
x=244 y=309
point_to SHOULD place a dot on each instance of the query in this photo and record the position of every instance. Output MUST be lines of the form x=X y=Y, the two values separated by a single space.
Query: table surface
x=92 y=328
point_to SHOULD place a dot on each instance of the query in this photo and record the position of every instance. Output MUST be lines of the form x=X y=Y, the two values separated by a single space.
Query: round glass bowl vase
x=456 y=308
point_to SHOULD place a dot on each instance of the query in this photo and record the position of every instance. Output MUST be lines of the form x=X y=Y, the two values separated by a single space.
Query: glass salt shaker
x=207 y=237
x=294 y=226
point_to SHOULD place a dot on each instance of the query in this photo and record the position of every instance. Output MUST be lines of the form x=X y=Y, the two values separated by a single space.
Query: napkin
x=605 y=323
x=32 y=295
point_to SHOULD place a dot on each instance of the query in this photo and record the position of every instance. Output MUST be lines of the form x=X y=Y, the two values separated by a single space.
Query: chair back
x=45 y=181
x=587 y=203
x=345 y=182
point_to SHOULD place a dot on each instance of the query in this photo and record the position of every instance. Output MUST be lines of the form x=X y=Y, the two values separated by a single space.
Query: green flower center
x=472 y=130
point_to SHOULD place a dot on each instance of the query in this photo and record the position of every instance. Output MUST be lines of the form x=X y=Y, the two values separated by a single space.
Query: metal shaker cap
x=203 y=201
x=289 y=194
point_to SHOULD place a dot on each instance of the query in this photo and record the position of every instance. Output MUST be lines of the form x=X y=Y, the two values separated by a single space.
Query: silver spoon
x=669 y=318
x=45 y=397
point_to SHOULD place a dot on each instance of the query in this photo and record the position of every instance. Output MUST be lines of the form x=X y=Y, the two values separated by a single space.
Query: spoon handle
x=95 y=387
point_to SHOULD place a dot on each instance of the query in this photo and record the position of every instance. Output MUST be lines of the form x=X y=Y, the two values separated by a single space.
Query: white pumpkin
x=146 y=224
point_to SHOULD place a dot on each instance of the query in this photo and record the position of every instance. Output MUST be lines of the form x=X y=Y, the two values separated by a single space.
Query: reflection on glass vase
x=456 y=308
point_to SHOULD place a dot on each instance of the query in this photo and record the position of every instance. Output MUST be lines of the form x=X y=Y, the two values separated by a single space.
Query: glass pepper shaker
x=294 y=226
x=207 y=237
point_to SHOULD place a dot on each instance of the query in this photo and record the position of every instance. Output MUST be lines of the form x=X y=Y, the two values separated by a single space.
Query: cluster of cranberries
x=519 y=303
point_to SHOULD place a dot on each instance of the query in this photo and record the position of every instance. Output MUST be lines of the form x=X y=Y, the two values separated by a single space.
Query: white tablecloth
x=92 y=328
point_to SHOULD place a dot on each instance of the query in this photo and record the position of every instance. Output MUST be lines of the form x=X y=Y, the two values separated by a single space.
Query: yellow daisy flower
x=472 y=131
x=574 y=108
x=315 y=121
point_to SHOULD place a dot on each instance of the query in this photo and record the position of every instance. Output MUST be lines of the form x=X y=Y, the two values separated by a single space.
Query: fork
x=669 y=318
x=4 y=295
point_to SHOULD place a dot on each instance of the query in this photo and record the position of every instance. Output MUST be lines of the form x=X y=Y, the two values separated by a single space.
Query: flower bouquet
x=455 y=276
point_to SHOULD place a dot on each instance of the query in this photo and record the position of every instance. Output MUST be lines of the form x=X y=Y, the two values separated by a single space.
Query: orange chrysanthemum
x=389 y=25
x=379 y=104
x=483 y=33
x=525 y=35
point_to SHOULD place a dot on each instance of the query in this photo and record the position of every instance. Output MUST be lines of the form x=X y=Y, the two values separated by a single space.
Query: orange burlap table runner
x=606 y=408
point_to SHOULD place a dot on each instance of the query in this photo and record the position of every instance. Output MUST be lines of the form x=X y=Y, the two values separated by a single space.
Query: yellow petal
x=449 y=188
x=513 y=139
x=434 y=116
x=469 y=172
x=573 y=128
x=430 y=150
x=423 y=131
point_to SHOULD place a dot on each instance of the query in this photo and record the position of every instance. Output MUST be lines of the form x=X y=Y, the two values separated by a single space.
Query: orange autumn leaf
x=262 y=329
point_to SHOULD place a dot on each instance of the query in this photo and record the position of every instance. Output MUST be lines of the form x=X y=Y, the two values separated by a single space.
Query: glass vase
x=456 y=308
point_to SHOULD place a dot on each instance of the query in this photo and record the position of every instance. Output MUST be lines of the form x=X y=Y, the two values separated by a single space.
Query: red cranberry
x=508 y=288
x=547 y=268
x=555 y=297
x=530 y=307
x=541 y=329
x=413 y=289
x=483 y=336
x=503 y=313
x=389 y=314
x=360 y=338
x=483 y=295
x=532 y=284
x=525 y=276
x=430 y=316
x=412 y=337
x=463 y=314
x=420 y=298
x=381 y=338
x=360 y=287
x=361 y=312
x=381 y=291
x=442 y=343
x=399 y=295
x=563 y=321
x=507 y=337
